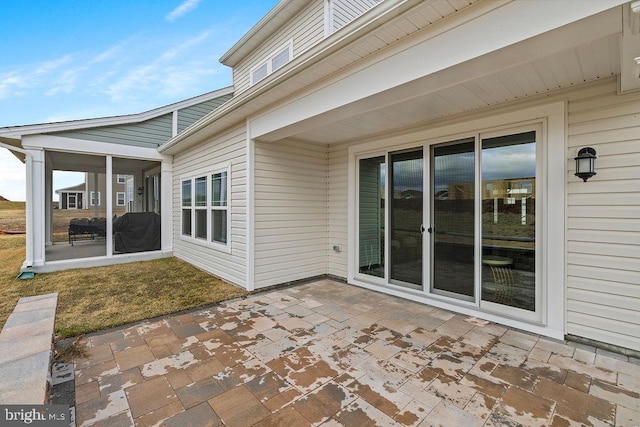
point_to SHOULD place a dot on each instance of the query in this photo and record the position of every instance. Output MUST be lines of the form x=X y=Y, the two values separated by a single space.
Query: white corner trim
x=250 y=248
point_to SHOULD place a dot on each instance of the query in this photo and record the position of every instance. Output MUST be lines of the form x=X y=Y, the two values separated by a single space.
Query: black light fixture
x=586 y=163
x=140 y=191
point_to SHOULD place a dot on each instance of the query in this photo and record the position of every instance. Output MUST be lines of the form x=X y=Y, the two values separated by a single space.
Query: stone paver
x=326 y=353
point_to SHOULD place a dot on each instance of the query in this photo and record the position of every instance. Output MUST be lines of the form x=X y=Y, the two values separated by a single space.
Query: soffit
x=588 y=62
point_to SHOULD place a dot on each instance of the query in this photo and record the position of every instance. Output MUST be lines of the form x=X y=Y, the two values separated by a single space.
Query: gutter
x=375 y=17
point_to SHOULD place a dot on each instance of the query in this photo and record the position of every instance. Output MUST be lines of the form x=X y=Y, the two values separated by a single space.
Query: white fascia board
x=58 y=143
x=262 y=30
x=500 y=27
x=16 y=132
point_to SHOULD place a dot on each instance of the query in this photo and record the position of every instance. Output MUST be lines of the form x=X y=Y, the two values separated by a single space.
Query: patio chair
x=502 y=285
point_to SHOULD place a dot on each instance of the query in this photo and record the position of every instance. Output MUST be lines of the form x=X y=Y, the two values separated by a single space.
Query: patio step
x=26 y=351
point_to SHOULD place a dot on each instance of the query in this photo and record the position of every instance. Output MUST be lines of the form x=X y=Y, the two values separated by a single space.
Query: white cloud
x=11 y=82
x=13 y=182
x=66 y=83
x=186 y=45
x=49 y=66
x=184 y=8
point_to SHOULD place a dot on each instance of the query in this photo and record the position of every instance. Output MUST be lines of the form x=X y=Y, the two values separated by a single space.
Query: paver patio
x=326 y=353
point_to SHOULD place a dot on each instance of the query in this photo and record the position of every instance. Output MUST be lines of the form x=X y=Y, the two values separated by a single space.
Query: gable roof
x=269 y=24
x=12 y=134
x=72 y=189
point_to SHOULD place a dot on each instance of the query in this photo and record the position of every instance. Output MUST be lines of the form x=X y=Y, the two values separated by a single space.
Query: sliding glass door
x=406 y=217
x=452 y=219
x=471 y=237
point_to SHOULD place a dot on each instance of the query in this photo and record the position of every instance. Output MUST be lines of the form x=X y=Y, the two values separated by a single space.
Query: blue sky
x=73 y=59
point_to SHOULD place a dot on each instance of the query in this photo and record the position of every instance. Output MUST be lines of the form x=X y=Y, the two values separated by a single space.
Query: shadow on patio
x=332 y=354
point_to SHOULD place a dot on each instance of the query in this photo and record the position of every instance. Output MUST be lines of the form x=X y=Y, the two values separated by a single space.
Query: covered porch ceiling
x=571 y=67
x=584 y=51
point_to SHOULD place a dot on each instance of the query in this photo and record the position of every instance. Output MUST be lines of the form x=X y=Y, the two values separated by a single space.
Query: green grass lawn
x=92 y=299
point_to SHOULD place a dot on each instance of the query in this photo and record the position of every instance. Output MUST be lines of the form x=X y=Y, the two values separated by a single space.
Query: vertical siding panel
x=603 y=217
x=230 y=147
x=290 y=212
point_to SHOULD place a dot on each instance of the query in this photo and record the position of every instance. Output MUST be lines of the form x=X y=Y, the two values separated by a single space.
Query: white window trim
x=91 y=198
x=552 y=182
x=269 y=61
x=121 y=179
x=207 y=173
x=124 y=196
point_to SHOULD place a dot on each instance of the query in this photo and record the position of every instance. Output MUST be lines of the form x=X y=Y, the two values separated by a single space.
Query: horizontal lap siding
x=337 y=221
x=149 y=133
x=188 y=116
x=230 y=147
x=290 y=212
x=306 y=29
x=603 y=218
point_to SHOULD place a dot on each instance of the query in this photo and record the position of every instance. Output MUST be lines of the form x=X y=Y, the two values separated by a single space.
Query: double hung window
x=205 y=207
x=95 y=198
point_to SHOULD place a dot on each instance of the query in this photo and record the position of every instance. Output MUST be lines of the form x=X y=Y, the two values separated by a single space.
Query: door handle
x=421 y=228
x=430 y=230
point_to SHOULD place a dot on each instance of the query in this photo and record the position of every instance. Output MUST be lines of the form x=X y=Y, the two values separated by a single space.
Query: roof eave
x=384 y=12
x=15 y=133
x=269 y=24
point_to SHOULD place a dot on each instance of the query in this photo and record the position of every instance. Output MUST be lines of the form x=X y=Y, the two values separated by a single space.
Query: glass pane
x=219 y=225
x=508 y=220
x=219 y=189
x=201 y=223
x=453 y=218
x=260 y=73
x=186 y=222
x=406 y=188
x=201 y=191
x=186 y=193
x=371 y=216
x=280 y=59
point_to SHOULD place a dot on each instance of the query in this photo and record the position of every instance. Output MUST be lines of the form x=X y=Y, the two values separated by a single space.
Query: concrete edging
x=26 y=351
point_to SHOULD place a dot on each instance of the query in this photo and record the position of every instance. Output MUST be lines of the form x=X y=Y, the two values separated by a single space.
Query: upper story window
x=273 y=62
x=121 y=179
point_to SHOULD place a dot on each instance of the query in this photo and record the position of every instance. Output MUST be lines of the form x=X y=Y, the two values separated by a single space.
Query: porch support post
x=109 y=185
x=166 y=204
x=35 y=208
x=48 y=197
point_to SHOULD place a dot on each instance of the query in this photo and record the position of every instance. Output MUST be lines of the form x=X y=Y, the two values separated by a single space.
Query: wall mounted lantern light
x=140 y=191
x=585 y=163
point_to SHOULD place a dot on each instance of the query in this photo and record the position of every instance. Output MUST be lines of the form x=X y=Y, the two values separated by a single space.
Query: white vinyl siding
x=306 y=29
x=227 y=148
x=337 y=221
x=345 y=11
x=603 y=231
x=290 y=212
